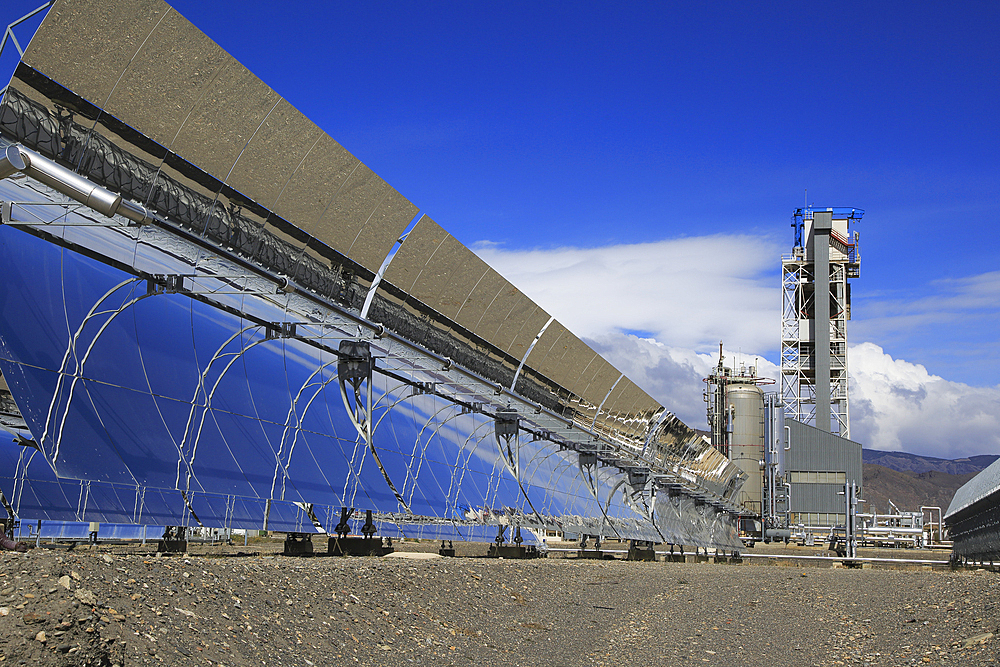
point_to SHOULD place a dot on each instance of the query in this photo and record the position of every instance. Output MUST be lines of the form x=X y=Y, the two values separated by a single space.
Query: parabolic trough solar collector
x=243 y=310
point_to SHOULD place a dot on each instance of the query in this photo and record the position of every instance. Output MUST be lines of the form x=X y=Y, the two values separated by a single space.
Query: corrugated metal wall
x=812 y=449
x=973 y=517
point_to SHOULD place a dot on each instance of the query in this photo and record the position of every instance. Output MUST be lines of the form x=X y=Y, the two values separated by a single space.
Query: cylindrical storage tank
x=746 y=442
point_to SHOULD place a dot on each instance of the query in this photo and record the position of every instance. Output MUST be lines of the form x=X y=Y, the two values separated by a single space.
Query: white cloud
x=685 y=295
x=692 y=292
x=897 y=405
x=672 y=375
x=948 y=324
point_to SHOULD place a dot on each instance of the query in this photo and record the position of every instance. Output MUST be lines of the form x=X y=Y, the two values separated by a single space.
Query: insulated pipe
x=68 y=183
x=11 y=545
x=19 y=159
x=11 y=162
x=931 y=512
x=788 y=503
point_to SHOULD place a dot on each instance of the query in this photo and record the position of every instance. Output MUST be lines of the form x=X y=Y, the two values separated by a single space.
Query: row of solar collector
x=471 y=494
x=64 y=508
x=271 y=188
x=290 y=198
x=265 y=240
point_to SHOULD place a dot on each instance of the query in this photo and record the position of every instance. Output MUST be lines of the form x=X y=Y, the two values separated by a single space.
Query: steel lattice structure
x=814 y=329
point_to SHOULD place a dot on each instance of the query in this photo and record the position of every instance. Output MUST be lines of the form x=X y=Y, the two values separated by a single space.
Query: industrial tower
x=815 y=307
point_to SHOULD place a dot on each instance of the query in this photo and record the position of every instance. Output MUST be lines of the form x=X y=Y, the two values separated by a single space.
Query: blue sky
x=682 y=133
x=591 y=124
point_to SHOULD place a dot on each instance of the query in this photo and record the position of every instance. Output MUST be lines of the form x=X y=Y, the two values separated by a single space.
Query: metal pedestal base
x=357 y=546
x=172 y=546
x=513 y=551
x=646 y=554
x=298 y=544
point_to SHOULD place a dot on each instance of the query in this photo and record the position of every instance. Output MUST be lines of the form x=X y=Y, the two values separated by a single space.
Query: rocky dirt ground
x=113 y=606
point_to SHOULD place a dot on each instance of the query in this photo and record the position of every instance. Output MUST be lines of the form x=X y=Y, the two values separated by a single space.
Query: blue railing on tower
x=839 y=213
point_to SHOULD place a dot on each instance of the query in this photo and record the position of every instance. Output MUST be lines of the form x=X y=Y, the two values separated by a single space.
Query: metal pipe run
x=858 y=559
x=930 y=510
x=837 y=559
x=17 y=158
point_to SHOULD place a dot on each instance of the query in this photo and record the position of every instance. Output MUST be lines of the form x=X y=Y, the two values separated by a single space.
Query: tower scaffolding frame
x=802 y=364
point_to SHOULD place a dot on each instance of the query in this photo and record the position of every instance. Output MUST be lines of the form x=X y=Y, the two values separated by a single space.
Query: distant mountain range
x=904 y=462
x=909 y=491
x=911 y=481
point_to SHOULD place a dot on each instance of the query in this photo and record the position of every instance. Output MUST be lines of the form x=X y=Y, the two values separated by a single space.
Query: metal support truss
x=506 y=426
x=9 y=32
x=355 y=368
x=798 y=342
x=811 y=303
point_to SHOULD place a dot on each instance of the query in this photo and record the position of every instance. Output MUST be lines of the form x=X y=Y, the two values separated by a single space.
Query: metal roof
x=979 y=487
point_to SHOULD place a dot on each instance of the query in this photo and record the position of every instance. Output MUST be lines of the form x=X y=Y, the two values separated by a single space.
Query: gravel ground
x=112 y=607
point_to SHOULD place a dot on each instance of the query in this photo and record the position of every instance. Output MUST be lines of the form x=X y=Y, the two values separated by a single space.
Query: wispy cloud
x=692 y=292
x=940 y=300
x=895 y=405
x=658 y=310
x=948 y=324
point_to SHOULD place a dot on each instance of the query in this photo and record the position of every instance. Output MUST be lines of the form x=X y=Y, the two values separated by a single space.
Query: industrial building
x=796 y=473
x=818 y=465
x=794 y=445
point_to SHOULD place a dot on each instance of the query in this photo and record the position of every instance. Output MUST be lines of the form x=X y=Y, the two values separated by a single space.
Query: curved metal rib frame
x=189 y=443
